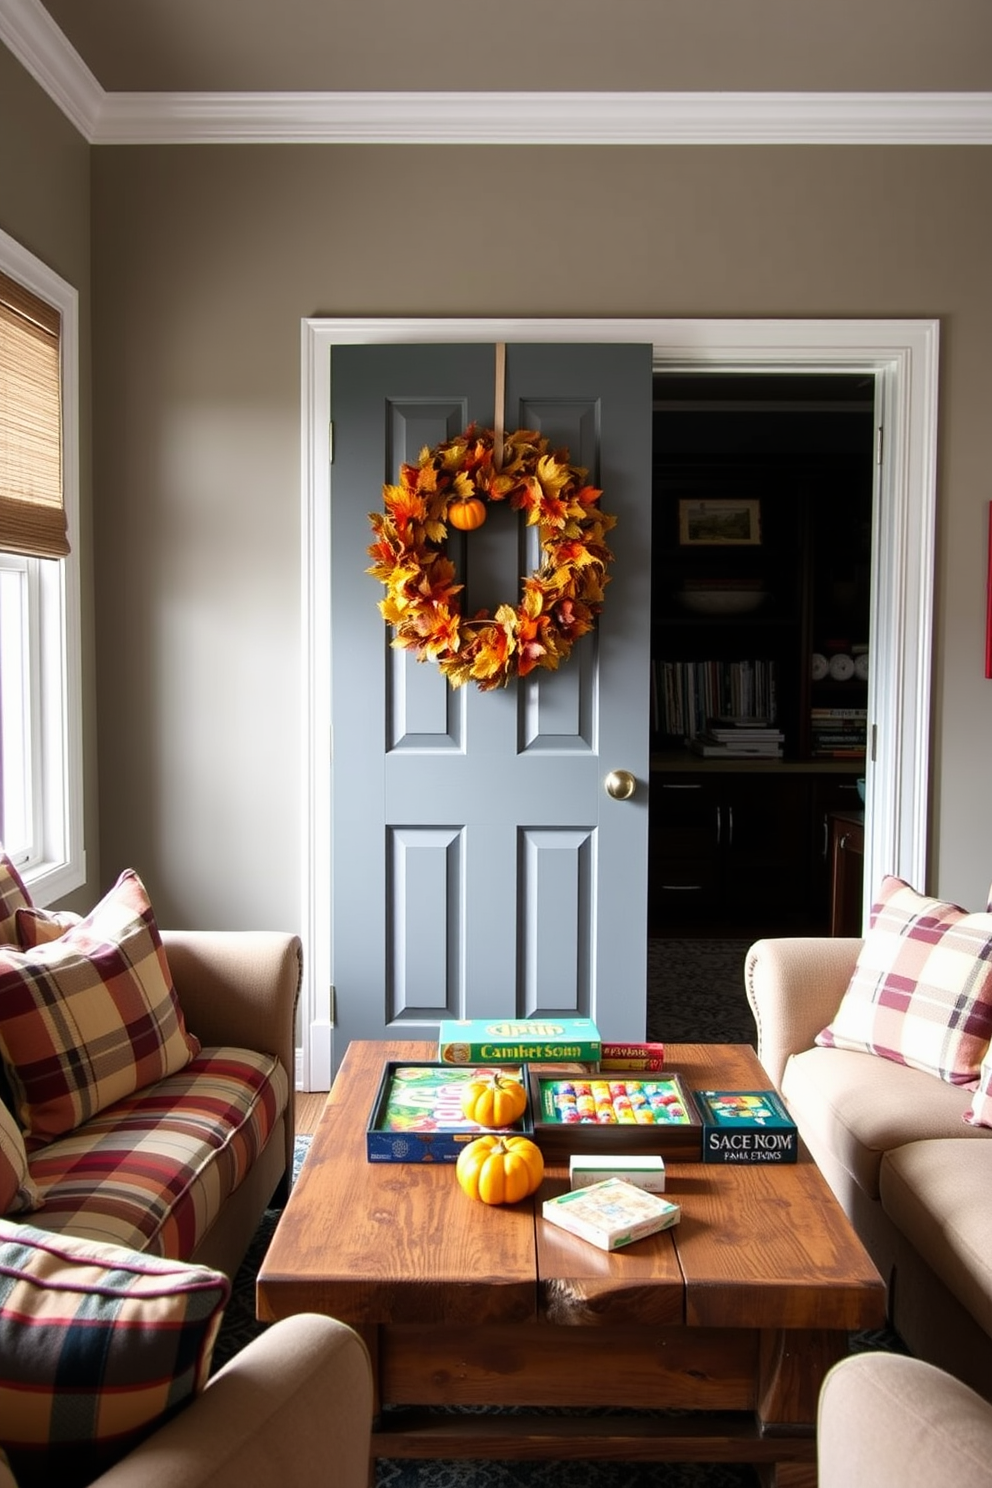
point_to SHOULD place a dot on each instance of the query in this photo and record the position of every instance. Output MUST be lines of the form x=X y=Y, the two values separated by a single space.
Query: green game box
x=417 y=1113
x=518 y=1041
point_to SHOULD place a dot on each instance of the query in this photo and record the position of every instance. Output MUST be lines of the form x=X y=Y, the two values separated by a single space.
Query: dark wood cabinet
x=832 y=794
x=729 y=850
x=847 y=857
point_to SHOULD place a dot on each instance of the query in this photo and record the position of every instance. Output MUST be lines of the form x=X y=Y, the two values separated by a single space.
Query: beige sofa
x=241 y=987
x=237 y=990
x=891 y=1422
x=293 y=1408
x=912 y=1175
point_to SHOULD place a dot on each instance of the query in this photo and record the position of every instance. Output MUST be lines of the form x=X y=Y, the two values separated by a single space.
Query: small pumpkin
x=496 y=1100
x=466 y=512
x=500 y=1170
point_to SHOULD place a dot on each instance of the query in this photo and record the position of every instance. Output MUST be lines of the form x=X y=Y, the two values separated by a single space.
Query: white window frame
x=56 y=861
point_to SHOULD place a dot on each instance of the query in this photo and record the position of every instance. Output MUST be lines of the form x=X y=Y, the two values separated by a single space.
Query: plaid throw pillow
x=13 y=896
x=36 y=926
x=921 y=993
x=17 y=1188
x=98 y=1347
x=89 y=1018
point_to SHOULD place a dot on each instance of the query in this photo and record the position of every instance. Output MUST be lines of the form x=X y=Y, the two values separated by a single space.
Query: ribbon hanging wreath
x=452 y=484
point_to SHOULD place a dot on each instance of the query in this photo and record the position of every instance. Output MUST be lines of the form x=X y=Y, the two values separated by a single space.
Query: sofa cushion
x=90 y=1017
x=937 y=1194
x=153 y=1171
x=858 y=1107
x=13 y=896
x=18 y=1191
x=98 y=1347
x=921 y=993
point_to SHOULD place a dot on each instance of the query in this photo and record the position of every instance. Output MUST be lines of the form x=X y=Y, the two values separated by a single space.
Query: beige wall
x=205 y=260
x=45 y=205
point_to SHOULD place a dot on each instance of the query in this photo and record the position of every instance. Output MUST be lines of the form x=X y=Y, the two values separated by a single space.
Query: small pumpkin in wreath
x=466 y=513
x=495 y=1100
x=500 y=1170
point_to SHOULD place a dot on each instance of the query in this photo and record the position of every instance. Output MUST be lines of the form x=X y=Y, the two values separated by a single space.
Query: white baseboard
x=321 y=1062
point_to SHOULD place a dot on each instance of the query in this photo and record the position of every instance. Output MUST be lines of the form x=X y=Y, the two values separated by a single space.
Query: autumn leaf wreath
x=451 y=485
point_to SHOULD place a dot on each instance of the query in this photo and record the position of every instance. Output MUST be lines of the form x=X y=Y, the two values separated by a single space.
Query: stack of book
x=838 y=733
x=734 y=738
x=686 y=693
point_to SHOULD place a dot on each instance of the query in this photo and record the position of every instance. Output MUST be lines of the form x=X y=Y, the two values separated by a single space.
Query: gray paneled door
x=479 y=866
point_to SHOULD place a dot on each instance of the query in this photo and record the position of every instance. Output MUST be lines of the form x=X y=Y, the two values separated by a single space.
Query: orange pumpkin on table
x=500 y=1170
x=495 y=1100
x=466 y=512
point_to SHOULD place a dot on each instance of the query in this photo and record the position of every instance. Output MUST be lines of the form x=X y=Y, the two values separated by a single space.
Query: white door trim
x=901 y=354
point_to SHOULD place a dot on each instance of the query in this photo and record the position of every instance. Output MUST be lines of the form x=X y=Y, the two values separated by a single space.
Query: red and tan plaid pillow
x=89 y=1018
x=98 y=1347
x=36 y=926
x=13 y=896
x=18 y=1191
x=921 y=993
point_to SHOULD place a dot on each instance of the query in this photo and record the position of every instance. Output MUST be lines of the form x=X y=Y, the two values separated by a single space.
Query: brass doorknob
x=621 y=785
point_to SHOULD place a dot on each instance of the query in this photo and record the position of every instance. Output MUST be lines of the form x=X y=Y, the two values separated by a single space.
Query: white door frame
x=902 y=356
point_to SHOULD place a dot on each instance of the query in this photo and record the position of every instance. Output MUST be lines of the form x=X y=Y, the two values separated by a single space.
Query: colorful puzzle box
x=417 y=1115
x=614 y=1112
x=611 y=1214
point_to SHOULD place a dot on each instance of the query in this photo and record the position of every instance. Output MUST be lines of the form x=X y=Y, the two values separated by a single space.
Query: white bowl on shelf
x=721 y=601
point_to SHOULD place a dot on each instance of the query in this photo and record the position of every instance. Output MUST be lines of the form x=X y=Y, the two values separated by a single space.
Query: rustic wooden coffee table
x=727 y=1322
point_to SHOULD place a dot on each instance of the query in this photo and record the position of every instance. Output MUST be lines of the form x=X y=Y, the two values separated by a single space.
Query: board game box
x=611 y=1214
x=632 y=1057
x=518 y=1040
x=642 y=1169
x=615 y=1112
x=417 y=1114
x=746 y=1126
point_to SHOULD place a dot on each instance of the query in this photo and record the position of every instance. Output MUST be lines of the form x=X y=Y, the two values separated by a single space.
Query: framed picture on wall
x=722 y=522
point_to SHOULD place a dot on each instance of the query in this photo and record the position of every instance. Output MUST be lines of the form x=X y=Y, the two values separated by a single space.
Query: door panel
x=478 y=866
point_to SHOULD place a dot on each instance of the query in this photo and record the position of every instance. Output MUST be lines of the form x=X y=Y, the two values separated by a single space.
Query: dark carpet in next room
x=696 y=992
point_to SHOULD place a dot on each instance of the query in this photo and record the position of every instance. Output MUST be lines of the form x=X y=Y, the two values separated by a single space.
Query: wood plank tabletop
x=392 y=1242
x=762 y=1246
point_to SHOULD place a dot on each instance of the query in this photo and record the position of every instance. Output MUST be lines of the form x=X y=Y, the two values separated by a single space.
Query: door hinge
x=879 y=443
x=332 y=993
x=330 y=442
x=874 y=742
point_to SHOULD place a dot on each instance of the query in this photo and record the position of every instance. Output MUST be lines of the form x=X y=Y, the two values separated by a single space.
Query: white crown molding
x=29 y=32
x=547 y=118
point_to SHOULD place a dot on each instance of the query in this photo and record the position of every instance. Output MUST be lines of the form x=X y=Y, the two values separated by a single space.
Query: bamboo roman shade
x=32 y=512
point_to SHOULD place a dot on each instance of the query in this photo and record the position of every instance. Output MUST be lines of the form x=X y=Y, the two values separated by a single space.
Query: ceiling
x=545 y=45
x=512 y=71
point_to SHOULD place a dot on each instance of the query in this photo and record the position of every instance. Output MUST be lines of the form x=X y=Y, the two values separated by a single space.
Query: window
x=41 y=807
